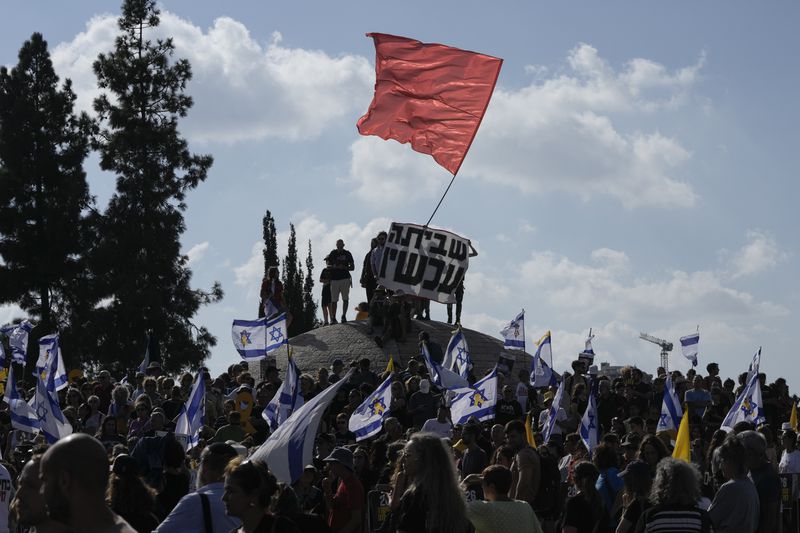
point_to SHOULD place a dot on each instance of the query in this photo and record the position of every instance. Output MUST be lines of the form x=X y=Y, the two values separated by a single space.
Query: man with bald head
x=29 y=502
x=74 y=475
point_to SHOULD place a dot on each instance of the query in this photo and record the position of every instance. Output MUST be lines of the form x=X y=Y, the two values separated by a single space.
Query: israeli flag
x=441 y=376
x=689 y=345
x=18 y=340
x=671 y=411
x=589 y=430
x=541 y=374
x=588 y=352
x=514 y=333
x=552 y=413
x=287 y=398
x=367 y=420
x=291 y=447
x=748 y=406
x=49 y=348
x=146 y=361
x=478 y=401
x=754 y=364
x=456 y=357
x=192 y=415
x=255 y=339
x=23 y=415
x=52 y=422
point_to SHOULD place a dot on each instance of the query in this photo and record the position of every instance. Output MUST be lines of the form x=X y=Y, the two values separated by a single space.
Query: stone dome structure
x=321 y=346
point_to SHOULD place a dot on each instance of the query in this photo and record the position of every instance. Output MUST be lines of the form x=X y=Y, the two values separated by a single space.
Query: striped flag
x=18 y=340
x=456 y=357
x=478 y=401
x=192 y=415
x=291 y=447
x=748 y=407
x=441 y=376
x=23 y=415
x=689 y=345
x=367 y=420
x=514 y=333
x=541 y=373
x=52 y=422
x=671 y=411
x=552 y=413
x=287 y=398
x=589 y=428
x=49 y=347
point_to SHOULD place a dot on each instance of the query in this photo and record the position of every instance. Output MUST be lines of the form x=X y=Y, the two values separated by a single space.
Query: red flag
x=430 y=95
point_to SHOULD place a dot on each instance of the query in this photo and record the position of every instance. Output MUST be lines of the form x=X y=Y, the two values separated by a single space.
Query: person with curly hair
x=428 y=490
x=675 y=492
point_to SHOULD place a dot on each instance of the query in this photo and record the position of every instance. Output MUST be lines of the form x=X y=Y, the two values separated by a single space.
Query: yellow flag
x=683 y=446
x=390 y=366
x=529 y=431
x=793 y=418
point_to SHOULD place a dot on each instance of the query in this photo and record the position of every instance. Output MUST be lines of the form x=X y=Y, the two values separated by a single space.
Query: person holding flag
x=287 y=399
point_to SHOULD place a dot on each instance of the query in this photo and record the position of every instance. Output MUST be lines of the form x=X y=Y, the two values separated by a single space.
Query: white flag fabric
x=367 y=420
x=146 y=359
x=287 y=398
x=456 y=357
x=478 y=401
x=588 y=352
x=49 y=346
x=589 y=429
x=689 y=347
x=23 y=415
x=441 y=376
x=541 y=374
x=254 y=339
x=552 y=413
x=754 y=364
x=514 y=333
x=52 y=422
x=291 y=447
x=18 y=340
x=671 y=410
x=192 y=415
x=748 y=407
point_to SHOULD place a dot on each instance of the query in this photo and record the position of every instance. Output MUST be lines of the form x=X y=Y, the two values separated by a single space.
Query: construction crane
x=666 y=347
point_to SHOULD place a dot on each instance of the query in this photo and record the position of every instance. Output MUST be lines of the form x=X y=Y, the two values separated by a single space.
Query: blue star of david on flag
x=276 y=334
x=255 y=339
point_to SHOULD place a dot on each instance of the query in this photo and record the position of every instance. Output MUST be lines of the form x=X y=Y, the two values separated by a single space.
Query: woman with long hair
x=637 y=480
x=128 y=496
x=249 y=487
x=584 y=512
x=430 y=499
x=651 y=451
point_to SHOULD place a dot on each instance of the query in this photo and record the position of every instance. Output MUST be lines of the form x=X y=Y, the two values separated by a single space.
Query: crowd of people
x=123 y=469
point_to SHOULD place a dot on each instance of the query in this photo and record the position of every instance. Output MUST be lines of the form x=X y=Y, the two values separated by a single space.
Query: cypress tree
x=138 y=258
x=270 y=251
x=44 y=197
x=293 y=284
x=309 y=305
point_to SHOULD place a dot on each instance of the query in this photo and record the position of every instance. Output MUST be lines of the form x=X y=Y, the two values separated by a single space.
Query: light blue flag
x=52 y=422
x=441 y=376
x=146 y=360
x=457 y=357
x=514 y=333
x=552 y=413
x=689 y=347
x=541 y=374
x=23 y=415
x=49 y=347
x=18 y=340
x=367 y=420
x=286 y=400
x=291 y=447
x=589 y=429
x=748 y=407
x=478 y=401
x=671 y=411
x=255 y=339
x=192 y=415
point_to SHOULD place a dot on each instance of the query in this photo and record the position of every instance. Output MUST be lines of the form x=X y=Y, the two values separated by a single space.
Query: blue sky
x=634 y=171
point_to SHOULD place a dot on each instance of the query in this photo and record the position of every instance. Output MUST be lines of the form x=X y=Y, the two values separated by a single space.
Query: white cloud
x=10 y=312
x=242 y=90
x=759 y=254
x=197 y=252
x=558 y=134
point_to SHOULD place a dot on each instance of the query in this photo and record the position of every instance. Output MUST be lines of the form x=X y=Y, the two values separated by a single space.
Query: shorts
x=326 y=294
x=340 y=286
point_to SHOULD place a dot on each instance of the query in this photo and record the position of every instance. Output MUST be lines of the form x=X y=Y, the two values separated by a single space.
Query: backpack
x=547 y=503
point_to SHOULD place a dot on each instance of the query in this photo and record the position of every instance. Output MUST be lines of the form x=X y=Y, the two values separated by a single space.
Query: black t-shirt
x=413 y=511
x=635 y=510
x=342 y=260
x=580 y=514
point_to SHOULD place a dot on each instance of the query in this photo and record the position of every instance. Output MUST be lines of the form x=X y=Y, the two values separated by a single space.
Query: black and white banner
x=425 y=262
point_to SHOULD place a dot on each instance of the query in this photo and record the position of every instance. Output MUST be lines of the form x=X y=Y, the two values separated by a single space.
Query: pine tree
x=44 y=197
x=138 y=258
x=309 y=305
x=270 y=243
x=293 y=284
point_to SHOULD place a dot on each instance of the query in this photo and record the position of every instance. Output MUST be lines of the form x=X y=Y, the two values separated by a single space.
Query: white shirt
x=443 y=429
x=522 y=396
x=790 y=463
x=6 y=493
